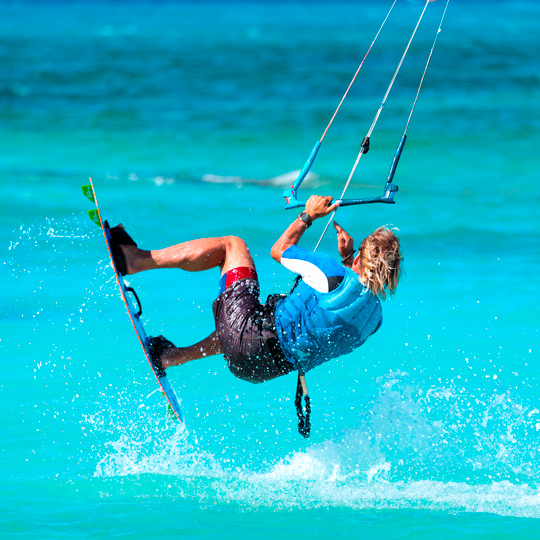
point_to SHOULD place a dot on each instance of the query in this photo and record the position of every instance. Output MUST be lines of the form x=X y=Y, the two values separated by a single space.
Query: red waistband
x=235 y=274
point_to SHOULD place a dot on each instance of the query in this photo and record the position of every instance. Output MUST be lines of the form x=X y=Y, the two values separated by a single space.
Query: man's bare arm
x=316 y=206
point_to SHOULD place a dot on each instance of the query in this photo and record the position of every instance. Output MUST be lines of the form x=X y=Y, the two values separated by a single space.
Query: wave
x=283 y=180
x=436 y=448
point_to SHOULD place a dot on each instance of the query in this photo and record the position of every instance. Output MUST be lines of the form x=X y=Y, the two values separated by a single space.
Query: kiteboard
x=134 y=311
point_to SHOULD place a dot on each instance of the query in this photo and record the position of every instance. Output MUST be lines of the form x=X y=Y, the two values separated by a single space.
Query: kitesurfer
x=331 y=312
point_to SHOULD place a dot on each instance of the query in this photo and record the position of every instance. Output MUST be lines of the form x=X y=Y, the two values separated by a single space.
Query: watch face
x=306 y=218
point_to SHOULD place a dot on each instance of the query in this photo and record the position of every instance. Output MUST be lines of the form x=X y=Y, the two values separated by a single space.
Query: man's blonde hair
x=381 y=262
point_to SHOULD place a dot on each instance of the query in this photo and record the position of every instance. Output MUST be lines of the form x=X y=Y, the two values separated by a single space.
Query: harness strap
x=304 y=418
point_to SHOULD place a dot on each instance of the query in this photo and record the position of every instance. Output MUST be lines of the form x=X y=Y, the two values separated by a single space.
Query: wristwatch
x=306 y=218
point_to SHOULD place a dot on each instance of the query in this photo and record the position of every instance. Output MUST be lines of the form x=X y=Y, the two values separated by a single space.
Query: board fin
x=89 y=192
x=170 y=411
x=94 y=216
x=170 y=414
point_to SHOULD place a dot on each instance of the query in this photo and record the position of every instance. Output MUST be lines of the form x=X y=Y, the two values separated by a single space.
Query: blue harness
x=314 y=327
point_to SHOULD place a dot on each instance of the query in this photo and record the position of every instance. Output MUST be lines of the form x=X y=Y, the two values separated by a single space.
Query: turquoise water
x=191 y=118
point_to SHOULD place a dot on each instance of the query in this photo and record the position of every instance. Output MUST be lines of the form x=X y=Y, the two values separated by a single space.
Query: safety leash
x=303 y=413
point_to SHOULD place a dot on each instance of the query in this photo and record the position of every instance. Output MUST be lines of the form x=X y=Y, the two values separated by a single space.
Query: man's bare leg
x=176 y=356
x=226 y=252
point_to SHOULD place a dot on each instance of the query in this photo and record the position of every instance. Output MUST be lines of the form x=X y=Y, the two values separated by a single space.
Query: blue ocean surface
x=191 y=118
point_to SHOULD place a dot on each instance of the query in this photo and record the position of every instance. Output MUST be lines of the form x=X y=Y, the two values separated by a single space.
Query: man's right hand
x=345 y=244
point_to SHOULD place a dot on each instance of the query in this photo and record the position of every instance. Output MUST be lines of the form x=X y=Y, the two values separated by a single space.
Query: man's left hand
x=318 y=206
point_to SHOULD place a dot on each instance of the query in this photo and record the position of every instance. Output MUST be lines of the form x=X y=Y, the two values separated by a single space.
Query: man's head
x=378 y=262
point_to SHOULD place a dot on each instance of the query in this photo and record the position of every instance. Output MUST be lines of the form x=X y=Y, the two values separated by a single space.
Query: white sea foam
x=413 y=449
x=161 y=180
x=312 y=479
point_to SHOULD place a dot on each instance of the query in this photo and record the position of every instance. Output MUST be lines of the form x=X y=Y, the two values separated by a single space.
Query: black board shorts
x=247 y=333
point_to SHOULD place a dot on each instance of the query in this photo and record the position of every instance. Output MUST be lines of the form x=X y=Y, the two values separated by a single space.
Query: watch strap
x=306 y=218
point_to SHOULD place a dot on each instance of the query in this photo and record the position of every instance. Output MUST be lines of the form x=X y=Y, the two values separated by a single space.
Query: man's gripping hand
x=318 y=206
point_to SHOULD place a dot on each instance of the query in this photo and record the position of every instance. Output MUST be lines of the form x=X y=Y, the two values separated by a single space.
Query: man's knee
x=237 y=253
x=235 y=244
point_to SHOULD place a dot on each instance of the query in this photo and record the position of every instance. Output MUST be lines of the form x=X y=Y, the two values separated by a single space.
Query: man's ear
x=356 y=263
